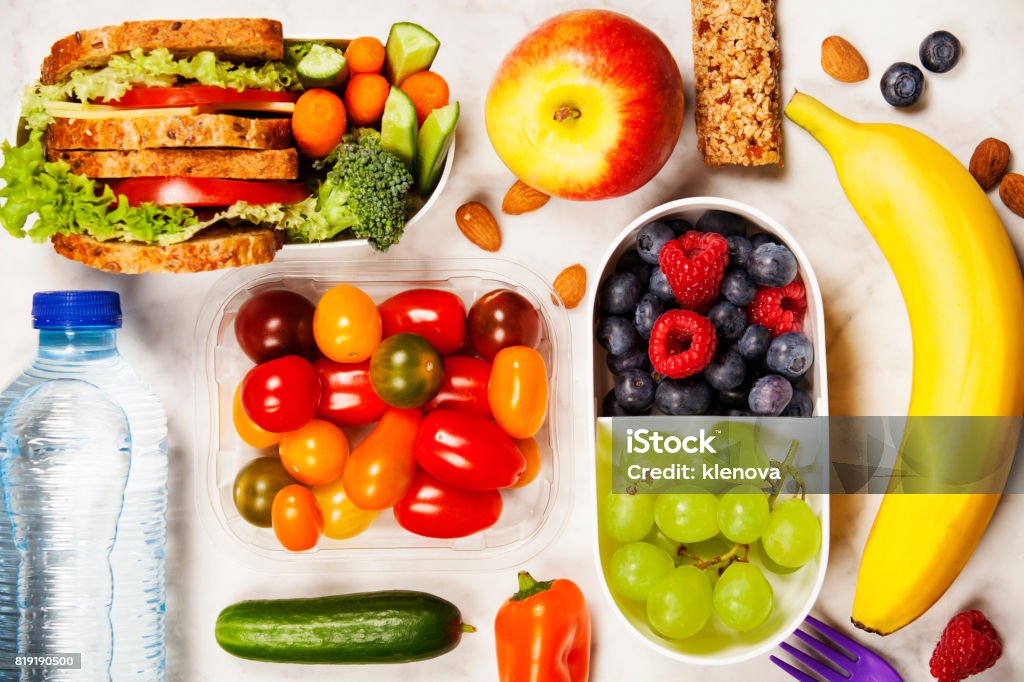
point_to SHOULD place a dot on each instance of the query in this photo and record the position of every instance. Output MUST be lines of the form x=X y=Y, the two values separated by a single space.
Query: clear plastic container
x=795 y=593
x=532 y=515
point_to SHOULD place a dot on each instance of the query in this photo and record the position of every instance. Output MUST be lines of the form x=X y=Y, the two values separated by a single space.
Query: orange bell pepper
x=543 y=633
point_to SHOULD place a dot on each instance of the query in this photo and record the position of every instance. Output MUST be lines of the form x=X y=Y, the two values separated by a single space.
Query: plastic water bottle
x=77 y=340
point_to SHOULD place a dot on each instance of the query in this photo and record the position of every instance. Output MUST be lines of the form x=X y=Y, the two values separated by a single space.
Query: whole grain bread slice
x=211 y=249
x=158 y=132
x=236 y=164
x=233 y=39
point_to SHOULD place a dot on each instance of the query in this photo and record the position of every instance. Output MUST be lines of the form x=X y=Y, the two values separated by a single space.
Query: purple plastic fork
x=856 y=664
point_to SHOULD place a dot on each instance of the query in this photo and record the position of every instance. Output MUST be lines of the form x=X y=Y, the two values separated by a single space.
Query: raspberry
x=780 y=309
x=682 y=343
x=694 y=265
x=968 y=645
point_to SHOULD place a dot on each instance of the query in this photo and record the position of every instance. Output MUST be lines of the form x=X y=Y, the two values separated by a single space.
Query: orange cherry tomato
x=531 y=453
x=518 y=391
x=247 y=429
x=316 y=453
x=346 y=324
x=296 y=518
x=382 y=467
x=342 y=518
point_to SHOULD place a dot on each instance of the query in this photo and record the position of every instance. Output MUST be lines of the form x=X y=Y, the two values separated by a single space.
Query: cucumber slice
x=398 y=127
x=410 y=48
x=434 y=140
x=322 y=67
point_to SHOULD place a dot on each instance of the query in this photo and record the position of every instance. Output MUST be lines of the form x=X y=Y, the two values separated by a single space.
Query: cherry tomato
x=247 y=429
x=281 y=395
x=406 y=371
x=315 y=453
x=346 y=397
x=531 y=453
x=274 y=324
x=464 y=387
x=467 y=451
x=342 y=519
x=500 y=319
x=437 y=510
x=256 y=484
x=382 y=467
x=346 y=324
x=438 y=316
x=296 y=518
x=518 y=391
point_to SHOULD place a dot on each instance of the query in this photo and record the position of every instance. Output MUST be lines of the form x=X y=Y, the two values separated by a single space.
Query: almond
x=842 y=61
x=571 y=285
x=478 y=224
x=989 y=162
x=1011 y=191
x=521 y=198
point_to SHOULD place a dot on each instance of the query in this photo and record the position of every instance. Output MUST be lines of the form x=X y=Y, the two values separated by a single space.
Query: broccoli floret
x=366 y=189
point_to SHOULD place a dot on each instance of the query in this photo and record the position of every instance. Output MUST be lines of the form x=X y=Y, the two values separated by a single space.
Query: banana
x=964 y=294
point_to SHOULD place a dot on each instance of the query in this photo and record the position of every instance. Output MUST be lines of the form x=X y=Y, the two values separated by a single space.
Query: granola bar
x=736 y=73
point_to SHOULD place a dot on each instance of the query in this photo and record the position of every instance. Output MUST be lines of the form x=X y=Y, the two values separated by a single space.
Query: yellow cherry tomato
x=518 y=391
x=346 y=324
x=316 y=453
x=342 y=519
x=531 y=453
x=247 y=430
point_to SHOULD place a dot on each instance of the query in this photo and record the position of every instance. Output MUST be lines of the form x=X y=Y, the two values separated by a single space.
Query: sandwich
x=167 y=146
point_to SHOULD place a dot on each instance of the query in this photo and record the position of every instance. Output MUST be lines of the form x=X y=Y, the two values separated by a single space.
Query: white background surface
x=869 y=352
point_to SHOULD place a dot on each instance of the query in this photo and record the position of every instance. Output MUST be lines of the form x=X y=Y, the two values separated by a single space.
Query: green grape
x=793 y=535
x=689 y=516
x=743 y=514
x=634 y=568
x=664 y=543
x=679 y=604
x=743 y=597
x=626 y=518
x=757 y=551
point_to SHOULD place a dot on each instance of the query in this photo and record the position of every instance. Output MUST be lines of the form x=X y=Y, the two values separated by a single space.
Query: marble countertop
x=867 y=330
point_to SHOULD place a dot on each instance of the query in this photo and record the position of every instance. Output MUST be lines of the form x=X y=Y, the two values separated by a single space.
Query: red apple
x=587 y=106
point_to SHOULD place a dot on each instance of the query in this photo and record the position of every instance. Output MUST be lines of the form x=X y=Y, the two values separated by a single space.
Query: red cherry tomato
x=518 y=391
x=281 y=395
x=436 y=315
x=382 y=467
x=274 y=324
x=437 y=510
x=468 y=451
x=500 y=319
x=296 y=518
x=346 y=397
x=464 y=387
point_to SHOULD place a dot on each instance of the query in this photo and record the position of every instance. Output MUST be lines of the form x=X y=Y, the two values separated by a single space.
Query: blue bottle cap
x=62 y=309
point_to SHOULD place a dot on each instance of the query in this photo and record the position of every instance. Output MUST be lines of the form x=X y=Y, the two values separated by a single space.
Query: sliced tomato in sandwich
x=194 y=95
x=207 y=191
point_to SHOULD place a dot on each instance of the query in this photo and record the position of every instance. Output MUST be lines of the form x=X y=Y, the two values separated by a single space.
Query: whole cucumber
x=372 y=627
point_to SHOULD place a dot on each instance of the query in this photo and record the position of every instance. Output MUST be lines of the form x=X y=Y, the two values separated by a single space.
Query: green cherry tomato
x=255 y=486
x=406 y=371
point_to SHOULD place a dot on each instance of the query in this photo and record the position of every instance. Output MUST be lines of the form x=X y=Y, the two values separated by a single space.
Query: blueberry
x=683 y=396
x=739 y=249
x=632 y=262
x=902 y=84
x=940 y=51
x=737 y=286
x=722 y=222
x=800 y=405
x=648 y=310
x=735 y=397
x=631 y=359
x=610 y=408
x=620 y=293
x=651 y=238
x=634 y=390
x=790 y=355
x=728 y=319
x=726 y=370
x=762 y=238
x=754 y=343
x=770 y=395
x=660 y=287
x=680 y=226
x=617 y=335
x=772 y=265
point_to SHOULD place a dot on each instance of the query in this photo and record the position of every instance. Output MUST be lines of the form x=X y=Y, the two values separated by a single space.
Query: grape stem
x=730 y=556
x=786 y=469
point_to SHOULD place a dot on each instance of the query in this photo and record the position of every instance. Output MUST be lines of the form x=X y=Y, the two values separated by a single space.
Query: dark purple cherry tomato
x=276 y=323
x=500 y=319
